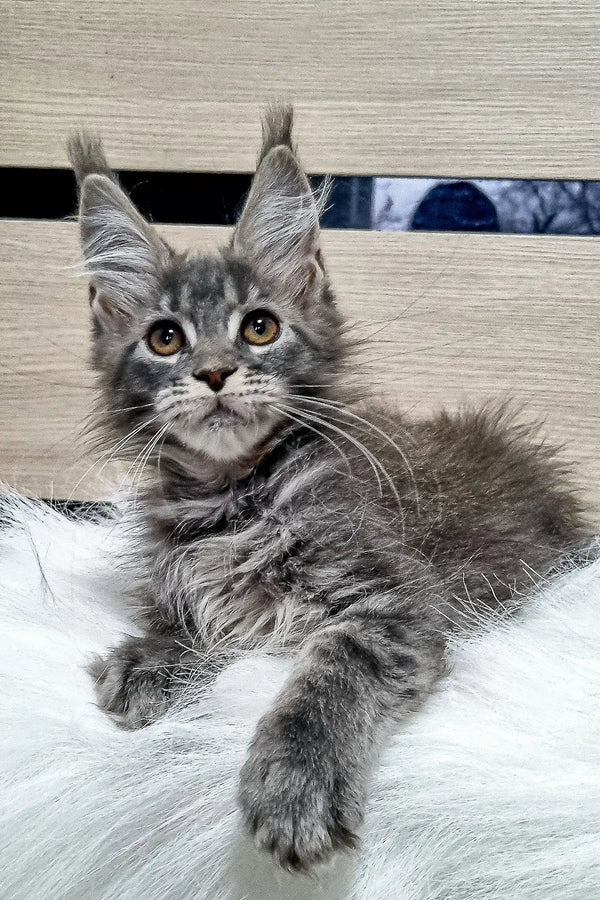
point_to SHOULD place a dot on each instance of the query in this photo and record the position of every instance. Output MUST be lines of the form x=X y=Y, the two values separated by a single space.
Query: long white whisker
x=285 y=412
x=305 y=417
x=133 y=464
x=131 y=408
x=375 y=464
x=370 y=425
x=343 y=407
x=111 y=452
x=144 y=456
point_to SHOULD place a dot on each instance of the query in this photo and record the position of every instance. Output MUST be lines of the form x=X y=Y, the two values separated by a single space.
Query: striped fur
x=280 y=513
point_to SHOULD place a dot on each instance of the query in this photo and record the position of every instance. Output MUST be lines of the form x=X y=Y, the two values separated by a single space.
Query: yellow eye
x=260 y=328
x=165 y=338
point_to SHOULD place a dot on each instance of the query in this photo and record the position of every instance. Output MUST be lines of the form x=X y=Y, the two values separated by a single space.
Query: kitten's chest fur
x=226 y=564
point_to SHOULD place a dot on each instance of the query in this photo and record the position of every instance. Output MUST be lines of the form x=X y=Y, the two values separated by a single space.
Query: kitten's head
x=211 y=352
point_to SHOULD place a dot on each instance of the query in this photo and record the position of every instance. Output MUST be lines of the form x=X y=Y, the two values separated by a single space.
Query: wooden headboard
x=450 y=88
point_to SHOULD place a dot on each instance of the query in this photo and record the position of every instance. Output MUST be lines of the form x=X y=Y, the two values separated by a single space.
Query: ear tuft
x=87 y=156
x=277 y=125
x=278 y=230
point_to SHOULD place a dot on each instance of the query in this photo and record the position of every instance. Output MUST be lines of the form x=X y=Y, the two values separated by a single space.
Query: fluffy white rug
x=492 y=791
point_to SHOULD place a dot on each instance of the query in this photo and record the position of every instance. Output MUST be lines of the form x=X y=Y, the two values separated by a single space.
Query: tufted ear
x=123 y=254
x=278 y=230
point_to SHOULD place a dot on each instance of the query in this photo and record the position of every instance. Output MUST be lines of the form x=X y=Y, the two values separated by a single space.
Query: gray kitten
x=278 y=513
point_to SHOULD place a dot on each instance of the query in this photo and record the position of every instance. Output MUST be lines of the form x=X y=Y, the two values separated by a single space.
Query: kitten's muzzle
x=215 y=379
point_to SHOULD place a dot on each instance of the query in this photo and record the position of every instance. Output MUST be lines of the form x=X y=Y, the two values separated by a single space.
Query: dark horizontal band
x=356 y=202
x=187 y=198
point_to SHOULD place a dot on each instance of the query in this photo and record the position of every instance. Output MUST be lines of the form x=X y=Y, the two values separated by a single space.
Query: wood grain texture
x=454 y=318
x=497 y=88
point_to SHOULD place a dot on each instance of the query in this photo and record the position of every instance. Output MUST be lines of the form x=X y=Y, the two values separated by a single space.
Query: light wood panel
x=454 y=317
x=498 y=88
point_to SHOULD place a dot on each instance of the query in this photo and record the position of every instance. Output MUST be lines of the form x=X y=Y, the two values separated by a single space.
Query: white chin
x=227 y=442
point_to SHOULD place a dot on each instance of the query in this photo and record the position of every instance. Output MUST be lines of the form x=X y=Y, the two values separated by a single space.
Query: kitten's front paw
x=297 y=800
x=133 y=683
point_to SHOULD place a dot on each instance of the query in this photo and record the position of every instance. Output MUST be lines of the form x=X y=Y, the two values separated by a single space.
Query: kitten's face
x=216 y=360
x=208 y=353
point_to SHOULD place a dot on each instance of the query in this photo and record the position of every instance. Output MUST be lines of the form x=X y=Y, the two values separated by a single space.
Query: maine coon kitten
x=276 y=513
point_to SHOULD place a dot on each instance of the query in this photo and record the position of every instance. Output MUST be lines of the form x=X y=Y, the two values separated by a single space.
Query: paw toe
x=132 y=694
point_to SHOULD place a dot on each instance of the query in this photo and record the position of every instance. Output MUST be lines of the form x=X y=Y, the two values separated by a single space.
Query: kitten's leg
x=303 y=786
x=137 y=680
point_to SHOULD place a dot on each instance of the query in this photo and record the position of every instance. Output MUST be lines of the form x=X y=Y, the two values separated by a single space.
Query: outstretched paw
x=134 y=682
x=296 y=798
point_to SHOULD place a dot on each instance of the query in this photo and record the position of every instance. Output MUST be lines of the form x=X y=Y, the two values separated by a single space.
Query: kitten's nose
x=215 y=380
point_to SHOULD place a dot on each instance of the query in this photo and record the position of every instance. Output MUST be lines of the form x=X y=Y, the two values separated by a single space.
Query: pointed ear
x=123 y=254
x=278 y=230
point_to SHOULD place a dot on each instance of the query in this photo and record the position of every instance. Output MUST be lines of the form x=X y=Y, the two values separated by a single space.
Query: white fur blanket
x=492 y=791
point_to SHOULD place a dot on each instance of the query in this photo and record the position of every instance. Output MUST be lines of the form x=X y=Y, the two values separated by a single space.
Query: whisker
x=111 y=451
x=123 y=409
x=91 y=421
x=144 y=456
x=285 y=412
x=376 y=465
x=370 y=425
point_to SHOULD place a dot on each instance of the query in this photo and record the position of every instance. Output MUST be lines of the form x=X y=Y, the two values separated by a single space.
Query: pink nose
x=215 y=380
